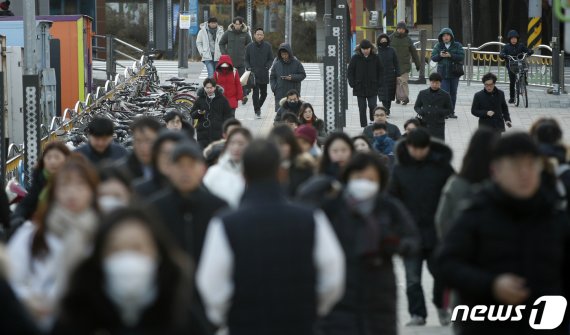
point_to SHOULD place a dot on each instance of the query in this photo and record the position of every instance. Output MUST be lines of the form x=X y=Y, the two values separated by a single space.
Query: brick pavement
x=458 y=133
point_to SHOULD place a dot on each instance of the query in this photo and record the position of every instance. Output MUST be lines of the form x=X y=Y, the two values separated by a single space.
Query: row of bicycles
x=137 y=92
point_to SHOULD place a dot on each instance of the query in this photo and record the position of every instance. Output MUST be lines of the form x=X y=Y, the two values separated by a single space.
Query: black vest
x=274 y=272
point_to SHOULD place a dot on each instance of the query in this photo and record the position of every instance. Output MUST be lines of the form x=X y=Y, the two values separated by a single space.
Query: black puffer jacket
x=211 y=115
x=390 y=71
x=369 y=302
x=365 y=73
x=433 y=107
x=494 y=101
x=499 y=234
x=418 y=184
x=113 y=153
x=513 y=50
x=259 y=57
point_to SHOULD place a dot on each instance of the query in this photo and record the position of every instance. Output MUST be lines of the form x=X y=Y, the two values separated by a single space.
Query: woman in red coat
x=228 y=78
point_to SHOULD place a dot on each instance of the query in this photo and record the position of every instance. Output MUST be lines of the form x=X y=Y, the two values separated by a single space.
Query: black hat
x=365 y=44
x=189 y=149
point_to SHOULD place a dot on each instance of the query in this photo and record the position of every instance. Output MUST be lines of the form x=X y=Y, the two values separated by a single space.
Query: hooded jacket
x=390 y=70
x=228 y=78
x=405 y=49
x=513 y=50
x=494 y=101
x=455 y=50
x=433 y=107
x=418 y=185
x=209 y=115
x=258 y=58
x=233 y=43
x=364 y=73
x=203 y=42
x=292 y=67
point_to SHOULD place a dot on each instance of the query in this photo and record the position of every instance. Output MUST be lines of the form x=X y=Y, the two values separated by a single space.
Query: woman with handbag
x=449 y=55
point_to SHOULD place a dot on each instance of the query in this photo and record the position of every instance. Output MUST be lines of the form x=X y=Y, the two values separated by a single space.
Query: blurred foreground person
x=114 y=190
x=372 y=227
x=297 y=276
x=507 y=247
x=134 y=282
x=42 y=254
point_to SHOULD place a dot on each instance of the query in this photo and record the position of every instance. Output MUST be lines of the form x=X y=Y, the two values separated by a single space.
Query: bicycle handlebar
x=518 y=57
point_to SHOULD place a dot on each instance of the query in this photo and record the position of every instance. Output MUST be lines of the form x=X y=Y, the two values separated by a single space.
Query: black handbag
x=457 y=69
x=251 y=80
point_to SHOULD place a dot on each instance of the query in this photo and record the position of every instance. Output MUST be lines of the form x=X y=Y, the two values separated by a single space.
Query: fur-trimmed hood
x=439 y=152
x=374 y=50
x=202 y=93
x=244 y=28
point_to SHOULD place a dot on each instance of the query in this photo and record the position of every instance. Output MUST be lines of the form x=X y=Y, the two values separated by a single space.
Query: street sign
x=184 y=21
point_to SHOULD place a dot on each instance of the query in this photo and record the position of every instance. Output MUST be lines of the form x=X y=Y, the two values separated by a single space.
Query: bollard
x=423 y=47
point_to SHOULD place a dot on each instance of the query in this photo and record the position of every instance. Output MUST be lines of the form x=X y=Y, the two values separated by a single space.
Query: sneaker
x=511 y=101
x=244 y=101
x=444 y=316
x=258 y=114
x=398 y=102
x=416 y=321
x=405 y=102
x=452 y=116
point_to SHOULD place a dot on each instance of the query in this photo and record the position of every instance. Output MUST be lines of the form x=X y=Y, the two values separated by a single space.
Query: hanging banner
x=184 y=21
x=193 y=13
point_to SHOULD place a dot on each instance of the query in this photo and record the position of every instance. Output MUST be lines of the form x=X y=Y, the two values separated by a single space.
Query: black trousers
x=512 y=82
x=259 y=96
x=362 y=101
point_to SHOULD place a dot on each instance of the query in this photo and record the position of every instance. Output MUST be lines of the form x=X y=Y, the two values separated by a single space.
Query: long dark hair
x=243 y=131
x=86 y=303
x=361 y=161
x=302 y=111
x=55 y=145
x=284 y=134
x=75 y=163
x=326 y=162
x=477 y=159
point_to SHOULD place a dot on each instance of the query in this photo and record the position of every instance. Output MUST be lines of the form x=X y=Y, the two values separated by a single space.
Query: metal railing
x=60 y=126
x=111 y=52
x=483 y=59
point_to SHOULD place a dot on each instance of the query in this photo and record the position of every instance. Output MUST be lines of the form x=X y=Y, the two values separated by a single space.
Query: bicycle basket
x=517 y=66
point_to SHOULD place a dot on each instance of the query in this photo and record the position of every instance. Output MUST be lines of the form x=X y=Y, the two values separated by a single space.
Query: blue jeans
x=210 y=66
x=450 y=86
x=414 y=291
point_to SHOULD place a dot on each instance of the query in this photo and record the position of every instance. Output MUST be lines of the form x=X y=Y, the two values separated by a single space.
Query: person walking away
x=209 y=112
x=208 y=44
x=433 y=105
x=227 y=77
x=513 y=48
x=446 y=53
x=234 y=43
x=259 y=293
x=423 y=161
x=287 y=74
x=390 y=71
x=364 y=76
x=258 y=59
x=490 y=107
x=508 y=246
x=405 y=49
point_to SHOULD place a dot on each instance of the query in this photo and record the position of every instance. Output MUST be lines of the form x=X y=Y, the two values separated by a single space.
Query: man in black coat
x=137 y=164
x=422 y=168
x=507 y=247
x=209 y=112
x=100 y=147
x=186 y=209
x=433 y=105
x=364 y=76
x=258 y=59
x=390 y=71
x=513 y=48
x=380 y=116
x=490 y=107
x=289 y=104
x=277 y=278
x=287 y=73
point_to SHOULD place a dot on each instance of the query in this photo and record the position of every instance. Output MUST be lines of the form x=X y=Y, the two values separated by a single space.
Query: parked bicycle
x=519 y=66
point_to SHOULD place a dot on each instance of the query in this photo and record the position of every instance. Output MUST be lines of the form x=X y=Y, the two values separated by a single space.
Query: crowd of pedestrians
x=203 y=229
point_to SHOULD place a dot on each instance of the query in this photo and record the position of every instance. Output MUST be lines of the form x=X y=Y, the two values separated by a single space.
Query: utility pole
x=233 y=14
x=288 y=20
x=467 y=22
x=182 y=38
x=327 y=18
x=555 y=45
x=30 y=34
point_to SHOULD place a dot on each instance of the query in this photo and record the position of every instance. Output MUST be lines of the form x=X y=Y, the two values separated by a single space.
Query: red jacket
x=229 y=79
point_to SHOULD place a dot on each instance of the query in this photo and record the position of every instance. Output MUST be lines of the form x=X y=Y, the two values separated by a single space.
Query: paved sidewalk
x=458 y=133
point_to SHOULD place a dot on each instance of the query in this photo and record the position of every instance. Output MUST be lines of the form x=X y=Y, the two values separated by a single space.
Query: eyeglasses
x=379 y=115
x=489 y=84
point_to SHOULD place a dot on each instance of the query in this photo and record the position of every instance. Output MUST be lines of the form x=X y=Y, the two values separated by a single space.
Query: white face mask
x=108 y=203
x=225 y=65
x=130 y=279
x=362 y=189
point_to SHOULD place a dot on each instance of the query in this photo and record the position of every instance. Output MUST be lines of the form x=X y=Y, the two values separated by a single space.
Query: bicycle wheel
x=524 y=93
x=184 y=99
x=517 y=92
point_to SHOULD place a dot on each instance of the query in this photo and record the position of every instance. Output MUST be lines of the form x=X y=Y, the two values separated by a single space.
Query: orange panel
x=66 y=32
